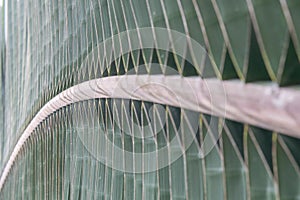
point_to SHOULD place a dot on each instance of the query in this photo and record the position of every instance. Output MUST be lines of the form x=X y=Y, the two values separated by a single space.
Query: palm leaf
x=57 y=151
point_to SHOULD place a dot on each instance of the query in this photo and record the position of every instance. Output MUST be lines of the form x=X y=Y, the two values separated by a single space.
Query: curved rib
x=265 y=106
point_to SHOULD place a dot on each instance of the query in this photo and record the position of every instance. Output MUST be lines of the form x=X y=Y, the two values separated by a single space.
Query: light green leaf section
x=235 y=169
x=261 y=180
x=288 y=172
